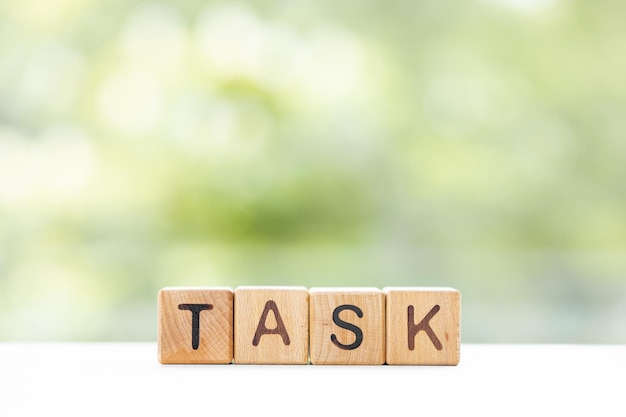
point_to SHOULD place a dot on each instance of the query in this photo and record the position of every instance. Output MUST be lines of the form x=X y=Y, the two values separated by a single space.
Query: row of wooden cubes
x=296 y=325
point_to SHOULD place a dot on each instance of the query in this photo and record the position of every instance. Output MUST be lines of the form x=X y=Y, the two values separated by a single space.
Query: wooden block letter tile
x=271 y=325
x=423 y=325
x=347 y=326
x=195 y=325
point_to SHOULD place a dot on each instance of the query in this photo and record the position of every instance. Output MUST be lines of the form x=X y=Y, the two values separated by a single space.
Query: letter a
x=262 y=329
x=423 y=325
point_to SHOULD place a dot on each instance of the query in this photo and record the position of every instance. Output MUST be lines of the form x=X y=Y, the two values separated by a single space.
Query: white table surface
x=119 y=379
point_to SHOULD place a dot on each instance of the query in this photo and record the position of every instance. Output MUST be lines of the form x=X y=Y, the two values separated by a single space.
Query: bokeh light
x=477 y=145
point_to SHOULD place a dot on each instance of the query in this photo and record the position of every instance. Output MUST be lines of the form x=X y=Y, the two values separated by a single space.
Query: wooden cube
x=195 y=325
x=347 y=326
x=423 y=325
x=271 y=325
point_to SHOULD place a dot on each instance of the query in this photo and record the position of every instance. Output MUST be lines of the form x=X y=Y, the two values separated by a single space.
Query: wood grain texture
x=209 y=310
x=423 y=325
x=271 y=325
x=347 y=326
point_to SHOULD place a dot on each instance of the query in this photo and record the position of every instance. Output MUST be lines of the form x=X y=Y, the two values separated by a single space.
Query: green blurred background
x=479 y=145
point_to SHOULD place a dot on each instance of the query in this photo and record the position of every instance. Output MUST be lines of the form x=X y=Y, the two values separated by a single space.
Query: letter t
x=195 y=320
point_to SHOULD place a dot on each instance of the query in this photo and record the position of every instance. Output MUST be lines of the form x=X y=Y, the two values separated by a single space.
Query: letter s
x=348 y=326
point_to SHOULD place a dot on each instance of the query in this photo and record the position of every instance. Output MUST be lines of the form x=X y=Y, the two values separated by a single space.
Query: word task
x=320 y=326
